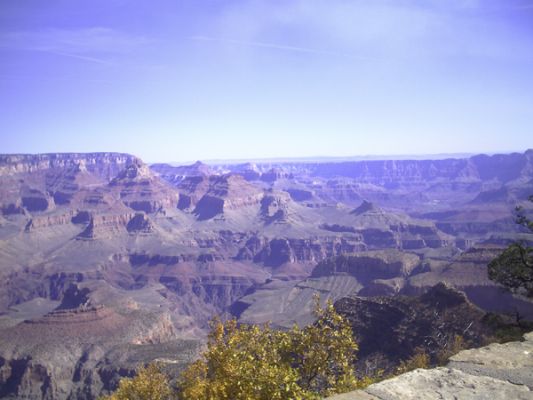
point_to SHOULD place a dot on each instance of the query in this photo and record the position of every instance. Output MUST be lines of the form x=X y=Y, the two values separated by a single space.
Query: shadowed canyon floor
x=106 y=262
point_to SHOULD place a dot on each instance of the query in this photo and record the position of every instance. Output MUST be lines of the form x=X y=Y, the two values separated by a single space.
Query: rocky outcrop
x=104 y=165
x=279 y=251
x=140 y=223
x=276 y=253
x=75 y=298
x=141 y=190
x=209 y=207
x=498 y=371
x=191 y=190
x=371 y=265
x=82 y=318
x=275 y=207
x=51 y=220
x=134 y=173
x=392 y=329
x=103 y=226
x=227 y=192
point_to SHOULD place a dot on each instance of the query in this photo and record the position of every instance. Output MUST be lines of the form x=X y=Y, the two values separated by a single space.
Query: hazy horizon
x=326 y=158
x=295 y=160
x=256 y=79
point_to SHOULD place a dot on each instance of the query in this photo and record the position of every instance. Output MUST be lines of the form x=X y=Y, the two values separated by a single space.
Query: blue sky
x=179 y=80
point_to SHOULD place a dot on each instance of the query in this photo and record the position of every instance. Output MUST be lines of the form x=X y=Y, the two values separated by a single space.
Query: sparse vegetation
x=506 y=329
x=419 y=360
x=422 y=359
x=454 y=346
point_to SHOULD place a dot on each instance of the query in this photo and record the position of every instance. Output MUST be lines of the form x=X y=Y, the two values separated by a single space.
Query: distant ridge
x=319 y=159
x=329 y=159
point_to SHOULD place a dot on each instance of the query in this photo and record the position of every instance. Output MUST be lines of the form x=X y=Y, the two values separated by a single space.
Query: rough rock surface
x=390 y=329
x=511 y=362
x=497 y=371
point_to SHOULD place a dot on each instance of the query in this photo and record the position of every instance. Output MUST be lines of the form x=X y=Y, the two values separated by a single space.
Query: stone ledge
x=497 y=371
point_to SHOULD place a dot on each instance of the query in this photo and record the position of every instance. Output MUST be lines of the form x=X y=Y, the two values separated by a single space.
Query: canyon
x=107 y=262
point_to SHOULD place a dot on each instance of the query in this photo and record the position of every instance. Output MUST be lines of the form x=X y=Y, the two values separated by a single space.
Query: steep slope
x=392 y=329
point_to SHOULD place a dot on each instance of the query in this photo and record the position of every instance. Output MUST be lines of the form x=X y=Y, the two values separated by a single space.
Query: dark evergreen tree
x=514 y=267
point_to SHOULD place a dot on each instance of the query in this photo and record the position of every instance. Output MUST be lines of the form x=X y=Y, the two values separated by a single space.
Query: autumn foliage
x=249 y=362
x=149 y=383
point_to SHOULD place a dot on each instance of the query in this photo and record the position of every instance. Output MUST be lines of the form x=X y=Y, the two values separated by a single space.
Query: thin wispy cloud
x=51 y=78
x=79 y=57
x=280 y=47
x=92 y=45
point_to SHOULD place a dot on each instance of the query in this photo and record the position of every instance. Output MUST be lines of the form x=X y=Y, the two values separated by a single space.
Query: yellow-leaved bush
x=250 y=362
x=149 y=383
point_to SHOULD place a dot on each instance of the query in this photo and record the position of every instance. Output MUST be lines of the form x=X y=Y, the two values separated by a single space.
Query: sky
x=180 y=80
